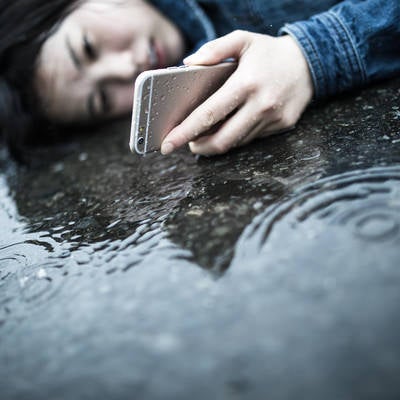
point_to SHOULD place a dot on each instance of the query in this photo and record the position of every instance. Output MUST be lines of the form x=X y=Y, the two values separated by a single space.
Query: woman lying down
x=68 y=62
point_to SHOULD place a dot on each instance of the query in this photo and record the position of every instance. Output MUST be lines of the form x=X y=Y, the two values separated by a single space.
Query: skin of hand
x=267 y=93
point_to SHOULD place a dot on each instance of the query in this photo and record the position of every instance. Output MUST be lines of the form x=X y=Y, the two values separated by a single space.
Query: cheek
x=120 y=30
x=112 y=38
x=122 y=99
x=111 y=32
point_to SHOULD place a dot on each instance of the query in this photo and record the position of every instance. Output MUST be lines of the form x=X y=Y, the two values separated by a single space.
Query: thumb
x=231 y=45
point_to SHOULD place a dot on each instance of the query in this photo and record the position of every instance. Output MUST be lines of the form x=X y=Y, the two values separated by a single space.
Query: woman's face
x=86 y=69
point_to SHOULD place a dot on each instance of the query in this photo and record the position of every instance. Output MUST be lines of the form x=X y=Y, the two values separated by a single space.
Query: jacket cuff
x=330 y=51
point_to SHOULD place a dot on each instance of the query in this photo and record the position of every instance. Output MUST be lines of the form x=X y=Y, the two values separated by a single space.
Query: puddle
x=120 y=273
x=357 y=213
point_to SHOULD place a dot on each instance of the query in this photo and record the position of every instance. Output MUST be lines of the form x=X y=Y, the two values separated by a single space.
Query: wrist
x=300 y=65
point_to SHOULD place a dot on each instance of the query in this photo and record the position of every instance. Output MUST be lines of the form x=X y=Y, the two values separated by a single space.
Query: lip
x=152 y=58
x=160 y=54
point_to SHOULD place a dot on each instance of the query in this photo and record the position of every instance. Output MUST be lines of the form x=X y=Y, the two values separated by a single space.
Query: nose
x=114 y=67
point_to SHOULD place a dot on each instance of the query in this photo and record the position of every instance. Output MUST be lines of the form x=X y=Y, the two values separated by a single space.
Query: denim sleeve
x=352 y=44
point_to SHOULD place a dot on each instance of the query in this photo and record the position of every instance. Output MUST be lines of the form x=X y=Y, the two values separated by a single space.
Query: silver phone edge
x=136 y=109
x=134 y=121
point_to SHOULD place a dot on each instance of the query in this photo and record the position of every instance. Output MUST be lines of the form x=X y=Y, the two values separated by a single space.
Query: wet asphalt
x=270 y=272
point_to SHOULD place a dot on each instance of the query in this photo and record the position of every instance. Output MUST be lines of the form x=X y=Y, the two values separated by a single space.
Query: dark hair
x=24 y=26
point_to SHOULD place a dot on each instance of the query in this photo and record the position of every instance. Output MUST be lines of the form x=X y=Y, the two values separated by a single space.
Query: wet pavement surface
x=271 y=272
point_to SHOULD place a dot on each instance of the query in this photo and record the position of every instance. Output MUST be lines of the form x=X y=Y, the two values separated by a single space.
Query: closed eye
x=98 y=104
x=88 y=48
x=104 y=102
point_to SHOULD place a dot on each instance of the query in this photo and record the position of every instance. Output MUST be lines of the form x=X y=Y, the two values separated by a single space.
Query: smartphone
x=163 y=98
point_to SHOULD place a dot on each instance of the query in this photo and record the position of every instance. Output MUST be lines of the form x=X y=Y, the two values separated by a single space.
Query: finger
x=257 y=131
x=234 y=130
x=212 y=112
x=268 y=125
x=267 y=121
x=264 y=130
x=231 y=45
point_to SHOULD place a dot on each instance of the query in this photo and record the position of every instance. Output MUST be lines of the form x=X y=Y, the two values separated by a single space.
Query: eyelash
x=89 y=49
x=105 y=102
x=91 y=54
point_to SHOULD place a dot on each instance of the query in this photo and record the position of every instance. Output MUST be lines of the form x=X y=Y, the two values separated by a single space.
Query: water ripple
x=359 y=207
x=25 y=287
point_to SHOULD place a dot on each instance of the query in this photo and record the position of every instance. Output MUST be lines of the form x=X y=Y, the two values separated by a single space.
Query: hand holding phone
x=266 y=94
x=163 y=98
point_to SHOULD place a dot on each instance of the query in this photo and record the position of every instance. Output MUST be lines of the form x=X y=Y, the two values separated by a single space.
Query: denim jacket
x=347 y=44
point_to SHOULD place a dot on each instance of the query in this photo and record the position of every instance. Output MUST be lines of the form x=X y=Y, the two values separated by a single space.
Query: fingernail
x=190 y=58
x=167 y=148
x=195 y=56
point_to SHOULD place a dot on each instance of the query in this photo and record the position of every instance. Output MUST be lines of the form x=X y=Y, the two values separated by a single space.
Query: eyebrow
x=72 y=54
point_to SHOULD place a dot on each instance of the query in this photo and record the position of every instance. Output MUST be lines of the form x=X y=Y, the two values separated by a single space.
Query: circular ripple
x=9 y=288
x=9 y=266
x=355 y=212
x=378 y=222
x=378 y=226
x=39 y=283
x=25 y=286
